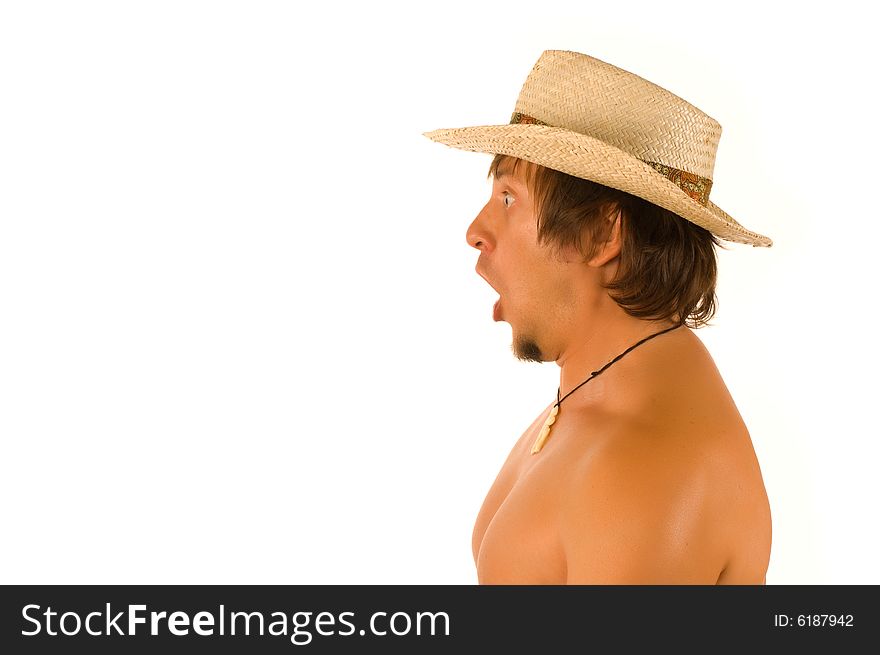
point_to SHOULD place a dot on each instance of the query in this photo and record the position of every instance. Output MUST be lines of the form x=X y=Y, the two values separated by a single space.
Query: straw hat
x=587 y=118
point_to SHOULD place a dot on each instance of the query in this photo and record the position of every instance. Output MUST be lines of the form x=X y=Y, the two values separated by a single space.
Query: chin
x=527 y=349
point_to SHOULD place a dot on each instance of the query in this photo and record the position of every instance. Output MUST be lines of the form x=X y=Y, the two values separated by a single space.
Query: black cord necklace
x=551 y=417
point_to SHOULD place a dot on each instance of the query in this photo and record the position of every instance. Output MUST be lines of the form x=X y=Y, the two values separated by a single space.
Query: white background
x=241 y=337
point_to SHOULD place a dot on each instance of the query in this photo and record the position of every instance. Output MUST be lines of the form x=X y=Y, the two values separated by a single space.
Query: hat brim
x=586 y=157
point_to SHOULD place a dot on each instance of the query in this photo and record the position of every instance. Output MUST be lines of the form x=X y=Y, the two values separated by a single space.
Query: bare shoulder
x=671 y=495
x=636 y=513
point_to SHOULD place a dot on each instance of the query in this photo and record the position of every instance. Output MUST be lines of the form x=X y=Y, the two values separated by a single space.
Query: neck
x=597 y=342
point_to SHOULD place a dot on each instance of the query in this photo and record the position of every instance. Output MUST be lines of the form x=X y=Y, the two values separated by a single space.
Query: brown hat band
x=695 y=186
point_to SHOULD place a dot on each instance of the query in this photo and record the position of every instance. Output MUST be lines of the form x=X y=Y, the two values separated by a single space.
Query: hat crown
x=581 y=93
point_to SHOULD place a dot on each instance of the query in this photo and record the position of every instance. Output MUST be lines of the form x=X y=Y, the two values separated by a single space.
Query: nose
x=478 y=234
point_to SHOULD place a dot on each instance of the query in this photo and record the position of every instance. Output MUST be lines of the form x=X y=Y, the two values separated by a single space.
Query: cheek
x=529 y=274
x=530 y=286
x=547 y=289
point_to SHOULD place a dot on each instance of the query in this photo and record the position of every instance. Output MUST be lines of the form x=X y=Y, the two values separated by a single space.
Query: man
x=599 y=238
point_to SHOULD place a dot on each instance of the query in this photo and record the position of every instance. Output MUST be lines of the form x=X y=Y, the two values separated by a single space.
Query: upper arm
x=636 y=514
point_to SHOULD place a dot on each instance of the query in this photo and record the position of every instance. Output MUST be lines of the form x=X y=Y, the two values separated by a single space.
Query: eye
x=505 y=198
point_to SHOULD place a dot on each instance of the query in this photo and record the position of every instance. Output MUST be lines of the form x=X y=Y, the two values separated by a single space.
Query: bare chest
x=516 y=536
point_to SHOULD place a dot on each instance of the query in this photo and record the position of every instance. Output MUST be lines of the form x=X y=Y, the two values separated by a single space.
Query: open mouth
x=496 y=309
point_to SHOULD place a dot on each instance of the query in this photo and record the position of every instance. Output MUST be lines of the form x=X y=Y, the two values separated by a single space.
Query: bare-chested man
x=645 y=473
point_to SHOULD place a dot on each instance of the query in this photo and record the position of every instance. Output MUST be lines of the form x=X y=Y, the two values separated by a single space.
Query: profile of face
x=537 y=287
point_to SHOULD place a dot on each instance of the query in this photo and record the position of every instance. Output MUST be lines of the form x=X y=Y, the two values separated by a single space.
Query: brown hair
x=668 y=268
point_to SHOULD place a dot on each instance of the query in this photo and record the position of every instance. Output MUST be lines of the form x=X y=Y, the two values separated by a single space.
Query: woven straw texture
x=587 y=118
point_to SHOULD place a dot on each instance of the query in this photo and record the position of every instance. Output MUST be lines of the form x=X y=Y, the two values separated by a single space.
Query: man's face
x=536 y=286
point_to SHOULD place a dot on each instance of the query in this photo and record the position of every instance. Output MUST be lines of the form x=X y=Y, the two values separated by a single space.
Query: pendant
x=545 y=430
